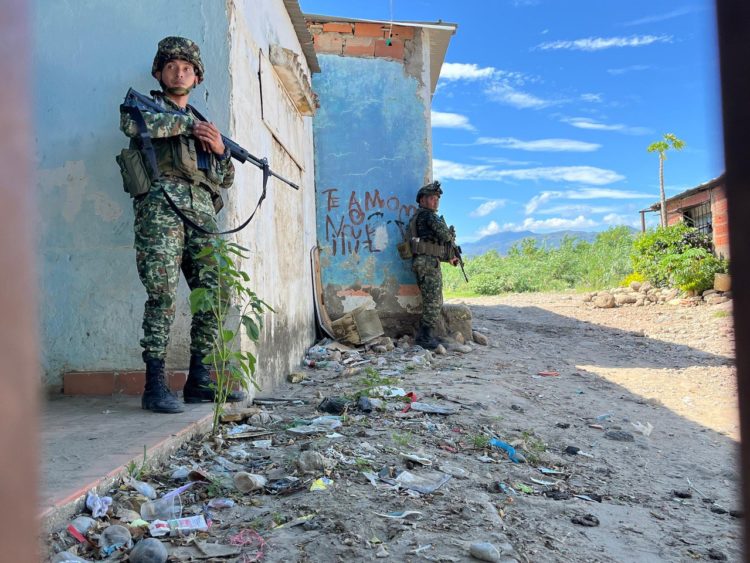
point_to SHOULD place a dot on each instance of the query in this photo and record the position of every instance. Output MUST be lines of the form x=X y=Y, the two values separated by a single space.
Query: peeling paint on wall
x=371 y=156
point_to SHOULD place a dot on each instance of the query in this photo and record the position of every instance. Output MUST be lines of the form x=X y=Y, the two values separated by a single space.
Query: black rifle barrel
x=135 y=99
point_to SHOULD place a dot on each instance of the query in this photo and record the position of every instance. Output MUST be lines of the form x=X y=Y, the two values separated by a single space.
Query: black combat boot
x=425 y=338
x=156 y=396
x=198 y=387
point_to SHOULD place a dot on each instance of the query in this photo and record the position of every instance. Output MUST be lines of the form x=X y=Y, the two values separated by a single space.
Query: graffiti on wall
x=357 y=222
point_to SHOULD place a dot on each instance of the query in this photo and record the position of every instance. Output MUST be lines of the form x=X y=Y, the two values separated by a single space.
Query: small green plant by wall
x=234 y=306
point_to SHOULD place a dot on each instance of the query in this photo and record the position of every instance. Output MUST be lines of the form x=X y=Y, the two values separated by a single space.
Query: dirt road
x=625 y=496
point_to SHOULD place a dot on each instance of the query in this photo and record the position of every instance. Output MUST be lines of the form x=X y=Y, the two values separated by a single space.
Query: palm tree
x=670 y=142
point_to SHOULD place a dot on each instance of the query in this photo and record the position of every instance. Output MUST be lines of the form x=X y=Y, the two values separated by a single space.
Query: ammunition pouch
x=439 y=250
x=404 y=250
x=136 y=179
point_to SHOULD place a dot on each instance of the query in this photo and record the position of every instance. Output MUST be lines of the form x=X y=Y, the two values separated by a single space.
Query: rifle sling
x=148 y=149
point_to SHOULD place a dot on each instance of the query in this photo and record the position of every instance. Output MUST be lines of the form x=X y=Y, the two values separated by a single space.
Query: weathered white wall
x=282 y=234
x=86 y=55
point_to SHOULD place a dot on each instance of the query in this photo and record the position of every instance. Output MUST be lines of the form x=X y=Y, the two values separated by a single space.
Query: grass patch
x=720 y=314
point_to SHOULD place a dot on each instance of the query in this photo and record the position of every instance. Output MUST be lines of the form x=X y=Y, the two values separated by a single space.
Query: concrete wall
x=86 y=54
x=372 y=153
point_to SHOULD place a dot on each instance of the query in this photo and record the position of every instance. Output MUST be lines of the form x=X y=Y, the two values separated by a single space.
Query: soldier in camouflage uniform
x=193 y=165
x=432 y=243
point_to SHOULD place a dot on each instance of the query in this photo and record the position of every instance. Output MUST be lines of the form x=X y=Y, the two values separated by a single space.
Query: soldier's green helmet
x=433 y=188
x=178 y=48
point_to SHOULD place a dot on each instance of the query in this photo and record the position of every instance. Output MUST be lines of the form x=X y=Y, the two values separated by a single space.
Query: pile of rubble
x=644 y=294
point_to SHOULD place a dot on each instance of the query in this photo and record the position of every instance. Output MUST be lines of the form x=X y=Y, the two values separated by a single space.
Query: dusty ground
x=667 y=366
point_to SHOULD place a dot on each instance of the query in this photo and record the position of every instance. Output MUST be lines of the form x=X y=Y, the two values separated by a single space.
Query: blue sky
x=544 y=108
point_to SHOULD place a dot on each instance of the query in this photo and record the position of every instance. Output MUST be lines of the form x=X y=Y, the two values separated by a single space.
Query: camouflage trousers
x=164 y=245
x=430 y=282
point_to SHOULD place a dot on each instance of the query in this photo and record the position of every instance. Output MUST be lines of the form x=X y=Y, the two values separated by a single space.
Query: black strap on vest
x=147 y=148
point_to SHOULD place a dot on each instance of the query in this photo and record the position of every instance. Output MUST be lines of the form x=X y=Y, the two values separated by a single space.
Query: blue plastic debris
x=511 y=451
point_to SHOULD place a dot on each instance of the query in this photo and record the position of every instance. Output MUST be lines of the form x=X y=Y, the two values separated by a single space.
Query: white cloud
x=464 y=71
x=588 y=123
x=451 y=120
x=613 y=220
x=599 y=43
x=584 y=193
x=662 y=17
x=505 y=93
x=577 y=174
x=491 y=229
x=570 y=210
x=591 y=98
x=631 y=68
x=551 y=224
x=487 y=207
x=540 y=145
x=504 y=161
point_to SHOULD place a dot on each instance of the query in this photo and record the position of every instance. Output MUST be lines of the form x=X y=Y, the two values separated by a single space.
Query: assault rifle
x=457 y=254
x=134 y=99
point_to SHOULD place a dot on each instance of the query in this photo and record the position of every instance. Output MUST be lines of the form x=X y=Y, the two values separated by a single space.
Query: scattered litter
x=115 y=537
x=388 y=392
x=67 y=557
x=311 y=461
x=403 y=515
x=262 y=444
x=249 y=538
x=285 y=485
x=590 y=497
x=321 y=484
x=216 y=550
x=574 y=450
x=271 y=401
x=524 y=488
x=83 y=523
x=549 y=373
x=295 y=377
x=416 y=459
x=317 y=425
x=220 y=503
x=97 y=505
x=588 y=520
x=604 y=417
x=548 y=471
x=297 y=521
x=619 y=436
x=510 y=450
x=432 y=409
x=248 y=482
x=164 y=508
x=644 y=429
x=73 y=531
x=144 y=488
x=424 y=483
x=544 y=483
x=178 y=526
x=596 y=426
x=334 y=405
x=484 y=551
x=180 y=474
x=149 y=550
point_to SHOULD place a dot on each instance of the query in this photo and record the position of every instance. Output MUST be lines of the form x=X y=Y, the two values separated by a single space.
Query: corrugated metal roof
x=687 y=193
x=439 y=34
x=303 y=34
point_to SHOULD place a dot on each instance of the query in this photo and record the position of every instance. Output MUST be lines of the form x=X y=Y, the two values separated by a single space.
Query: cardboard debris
x=358 y=327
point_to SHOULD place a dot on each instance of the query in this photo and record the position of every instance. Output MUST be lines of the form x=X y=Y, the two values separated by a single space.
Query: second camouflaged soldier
x=193 y=164
x=432 y=242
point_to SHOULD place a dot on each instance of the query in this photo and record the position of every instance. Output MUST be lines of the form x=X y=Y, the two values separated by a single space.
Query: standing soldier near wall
x=432 y=242
x=193 y=164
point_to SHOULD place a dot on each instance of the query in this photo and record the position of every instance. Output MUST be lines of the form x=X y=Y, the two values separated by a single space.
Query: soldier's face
x=431 y=202
x=178 y=74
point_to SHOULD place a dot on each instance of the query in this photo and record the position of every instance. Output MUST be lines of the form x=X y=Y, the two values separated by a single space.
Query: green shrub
x=678 y=256
x=630 y=278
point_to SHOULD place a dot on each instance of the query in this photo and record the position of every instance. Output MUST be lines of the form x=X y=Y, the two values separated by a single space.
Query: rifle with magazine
x=456 y=253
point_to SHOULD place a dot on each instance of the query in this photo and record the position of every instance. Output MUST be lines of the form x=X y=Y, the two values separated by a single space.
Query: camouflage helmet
x=178 y=48
x=433 y=188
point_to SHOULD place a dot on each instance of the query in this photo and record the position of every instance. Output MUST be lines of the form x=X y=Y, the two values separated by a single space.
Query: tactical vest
x=420 y=245
x=177 y=157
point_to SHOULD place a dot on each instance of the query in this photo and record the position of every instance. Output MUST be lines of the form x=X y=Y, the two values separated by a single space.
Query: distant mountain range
x=502 y=242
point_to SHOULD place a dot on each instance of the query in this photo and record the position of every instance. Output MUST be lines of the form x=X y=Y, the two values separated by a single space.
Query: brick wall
x=719 y=219
x=361 y=39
